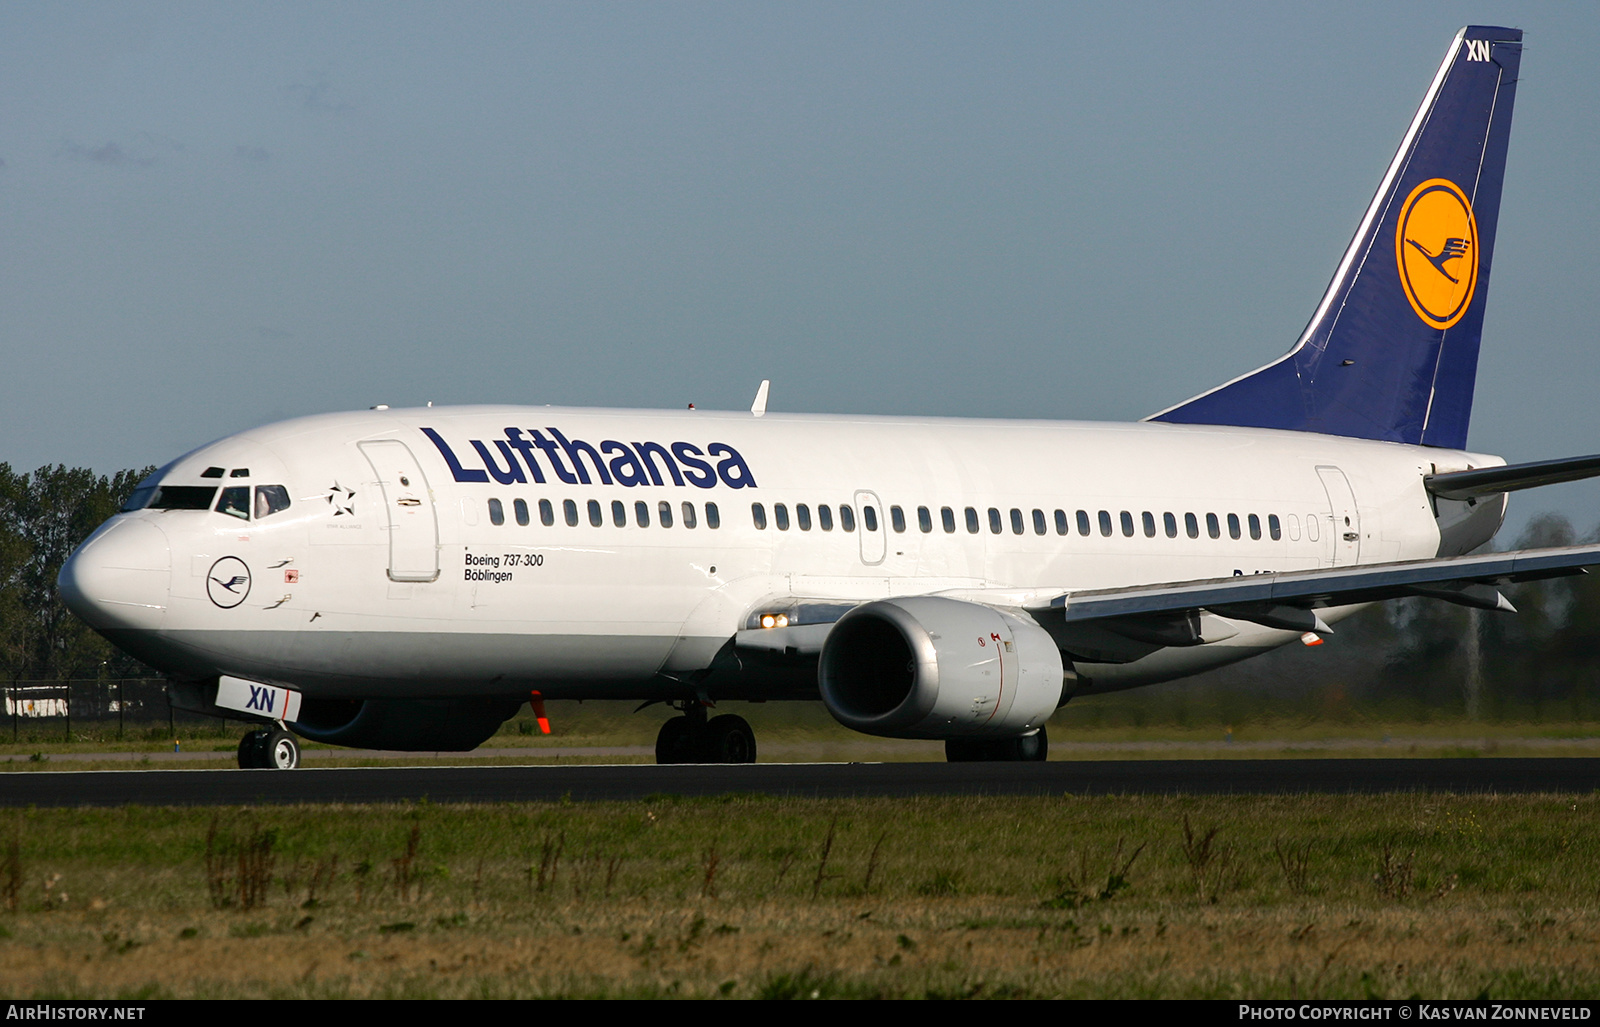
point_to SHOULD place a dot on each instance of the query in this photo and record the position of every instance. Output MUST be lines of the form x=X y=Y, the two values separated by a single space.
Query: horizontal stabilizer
x=1489 y=481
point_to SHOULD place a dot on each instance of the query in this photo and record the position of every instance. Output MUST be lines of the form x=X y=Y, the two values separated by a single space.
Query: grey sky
x=218 y=215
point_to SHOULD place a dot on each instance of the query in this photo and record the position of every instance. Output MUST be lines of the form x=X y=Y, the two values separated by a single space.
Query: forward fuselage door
x=1346 y=524
x=413 y=524
x=870 y=528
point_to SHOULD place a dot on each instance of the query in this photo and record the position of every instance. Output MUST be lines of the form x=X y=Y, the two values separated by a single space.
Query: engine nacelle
x=404 y=725
x=931 y=667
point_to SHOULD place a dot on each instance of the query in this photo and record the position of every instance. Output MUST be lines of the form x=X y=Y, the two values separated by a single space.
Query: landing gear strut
x=1031 y=748
x=692 y=738
x=269 y=749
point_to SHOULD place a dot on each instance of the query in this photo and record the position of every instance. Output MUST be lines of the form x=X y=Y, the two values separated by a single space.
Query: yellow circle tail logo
x=1436 y=247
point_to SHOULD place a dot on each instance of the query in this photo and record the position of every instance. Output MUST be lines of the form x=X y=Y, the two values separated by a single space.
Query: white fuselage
x=388 y=576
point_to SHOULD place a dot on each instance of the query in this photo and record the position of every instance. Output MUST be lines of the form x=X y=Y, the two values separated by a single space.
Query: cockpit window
x=139 y=498
x=183 y=497
x=235 y=501
x=270 y=499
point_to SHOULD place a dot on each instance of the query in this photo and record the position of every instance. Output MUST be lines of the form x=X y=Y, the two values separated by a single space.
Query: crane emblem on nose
x=228 y=582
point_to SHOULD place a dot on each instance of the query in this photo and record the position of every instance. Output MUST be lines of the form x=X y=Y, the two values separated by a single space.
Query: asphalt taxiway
x=813 y=780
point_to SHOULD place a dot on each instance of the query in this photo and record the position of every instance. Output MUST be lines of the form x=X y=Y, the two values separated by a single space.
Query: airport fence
x=97 y=707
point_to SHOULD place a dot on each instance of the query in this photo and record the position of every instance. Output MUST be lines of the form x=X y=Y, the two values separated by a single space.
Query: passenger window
x=713 y=519
x=1039 y=527
x=1170 y=523
x=1233 y=525
x=1105 y=523
x=994 y=521
x=947 y=518
x=688 y=514
x=780 y=516
x=972 y=520
x=570 y=508
x=1083 y=522
x=497 y=512
x=1294 y=528
x=520 y=508
x=1311 y=526
x=897 y=517
x=1191 y=526
x=869 y=518
x=235 y=502
x=641 y=513
x=1061 y=522
x=924 y=520
x=825 y=517
x=1127 y=524
x=1274 y=528
x=758 y=513
x=1213 y=526
x=547 y=515
x=847 y=518
x=664 y=514
x=595 y=517
x=619 y=513
x=271 y=499
x=1016 y=521
x=1149 y=520
x=802 y=515
x=1255 y=527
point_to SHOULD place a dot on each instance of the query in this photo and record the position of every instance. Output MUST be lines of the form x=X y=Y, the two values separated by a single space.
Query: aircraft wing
x=1167 y=613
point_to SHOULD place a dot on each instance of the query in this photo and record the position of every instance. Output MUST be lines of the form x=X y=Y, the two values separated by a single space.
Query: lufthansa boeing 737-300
x=407 y=579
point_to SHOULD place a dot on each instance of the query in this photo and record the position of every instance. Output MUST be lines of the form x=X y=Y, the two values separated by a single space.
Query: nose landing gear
x=269 y=749
x=691 y=738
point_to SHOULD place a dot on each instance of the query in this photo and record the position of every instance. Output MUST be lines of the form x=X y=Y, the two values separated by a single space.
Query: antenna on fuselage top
x=759 y=407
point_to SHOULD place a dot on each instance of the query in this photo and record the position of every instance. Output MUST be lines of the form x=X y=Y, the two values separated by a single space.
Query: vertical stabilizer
x=1392 y=350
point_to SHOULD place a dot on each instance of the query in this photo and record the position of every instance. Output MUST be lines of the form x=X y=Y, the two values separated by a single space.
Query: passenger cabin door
x=870 y=528
x=1346 y=524
x=413 y=524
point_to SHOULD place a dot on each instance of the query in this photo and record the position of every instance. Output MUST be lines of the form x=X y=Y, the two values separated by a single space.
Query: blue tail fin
x=1392 y=350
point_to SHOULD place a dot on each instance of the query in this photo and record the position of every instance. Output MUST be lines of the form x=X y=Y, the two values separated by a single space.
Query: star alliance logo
x=342 y=500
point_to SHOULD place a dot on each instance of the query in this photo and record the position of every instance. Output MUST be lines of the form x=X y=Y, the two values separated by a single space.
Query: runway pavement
x=815 y=780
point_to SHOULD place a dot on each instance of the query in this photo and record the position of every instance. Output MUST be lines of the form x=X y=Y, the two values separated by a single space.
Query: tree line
x=44 y=516
x=1429 y=653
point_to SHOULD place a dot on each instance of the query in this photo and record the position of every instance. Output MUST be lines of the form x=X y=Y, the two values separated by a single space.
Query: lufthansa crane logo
x=228 y=582
x=1436 y=248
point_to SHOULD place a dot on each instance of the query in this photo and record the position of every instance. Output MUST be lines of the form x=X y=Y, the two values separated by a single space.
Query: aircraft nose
x=120 y=578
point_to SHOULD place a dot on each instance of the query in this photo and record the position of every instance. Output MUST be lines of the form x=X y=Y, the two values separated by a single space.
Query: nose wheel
x=269 y=749
x=691 y=738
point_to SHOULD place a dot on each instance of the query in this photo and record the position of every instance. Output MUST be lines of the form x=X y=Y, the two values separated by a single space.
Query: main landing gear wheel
x=675 y=743
x=730 y=740
x=269 y=749
x=692 y=739
x=1030 y=748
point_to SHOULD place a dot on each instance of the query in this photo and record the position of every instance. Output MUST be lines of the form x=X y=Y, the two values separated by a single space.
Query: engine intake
x=932 y=667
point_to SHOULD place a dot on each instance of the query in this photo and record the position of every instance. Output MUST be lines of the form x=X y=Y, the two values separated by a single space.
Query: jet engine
x=932 y=667
x=404 y=725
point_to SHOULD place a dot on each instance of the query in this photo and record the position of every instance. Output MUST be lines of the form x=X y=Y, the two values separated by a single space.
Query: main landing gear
x=692 y=738
x=269 y=749
x=1034 y=748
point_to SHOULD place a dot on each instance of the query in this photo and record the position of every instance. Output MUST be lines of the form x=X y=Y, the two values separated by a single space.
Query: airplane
x=407 y=579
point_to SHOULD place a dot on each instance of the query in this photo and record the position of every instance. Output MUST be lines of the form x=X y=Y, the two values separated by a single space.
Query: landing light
x=774 y=620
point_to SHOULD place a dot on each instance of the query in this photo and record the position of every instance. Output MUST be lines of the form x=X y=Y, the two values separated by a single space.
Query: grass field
x=745 y=896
